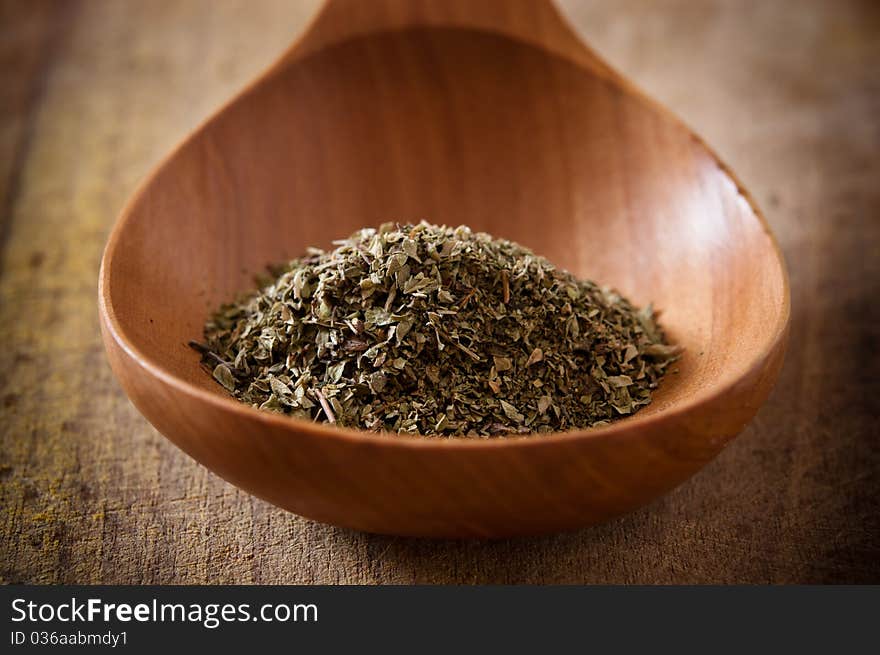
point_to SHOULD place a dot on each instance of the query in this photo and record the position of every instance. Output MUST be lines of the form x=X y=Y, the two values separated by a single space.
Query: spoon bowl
x=489 y=114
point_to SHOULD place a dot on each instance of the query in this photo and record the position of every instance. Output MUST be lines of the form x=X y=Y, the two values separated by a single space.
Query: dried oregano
x=434 y=330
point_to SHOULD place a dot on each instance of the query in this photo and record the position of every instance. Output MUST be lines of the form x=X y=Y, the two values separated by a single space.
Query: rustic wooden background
x=94 y=92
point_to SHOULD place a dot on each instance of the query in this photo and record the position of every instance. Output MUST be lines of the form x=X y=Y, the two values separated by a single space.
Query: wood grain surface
x=95 y=92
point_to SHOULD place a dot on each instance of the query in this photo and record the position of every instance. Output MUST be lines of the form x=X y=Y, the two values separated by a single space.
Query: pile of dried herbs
x=434 y=330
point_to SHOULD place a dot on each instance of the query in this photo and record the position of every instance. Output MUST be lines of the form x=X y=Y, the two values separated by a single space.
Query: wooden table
x=95 y=92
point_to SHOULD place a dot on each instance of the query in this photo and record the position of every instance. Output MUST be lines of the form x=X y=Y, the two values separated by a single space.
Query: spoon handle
x=538 y=22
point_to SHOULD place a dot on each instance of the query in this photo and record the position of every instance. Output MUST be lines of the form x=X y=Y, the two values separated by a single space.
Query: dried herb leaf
x=435 y=330
x=224 y=376
x=511 y=412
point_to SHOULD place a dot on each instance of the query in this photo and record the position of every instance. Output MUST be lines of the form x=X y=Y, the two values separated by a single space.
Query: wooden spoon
x=491 y=114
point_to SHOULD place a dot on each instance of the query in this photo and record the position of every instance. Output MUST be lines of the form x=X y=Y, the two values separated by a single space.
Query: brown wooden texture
x=91 y=493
